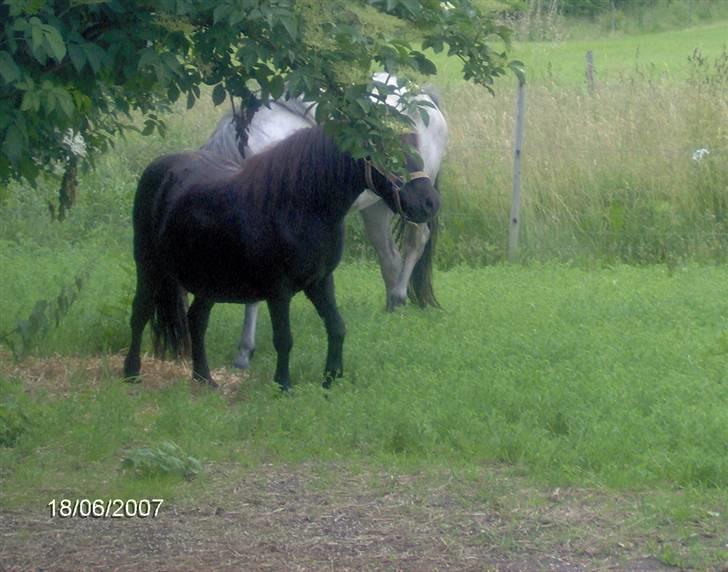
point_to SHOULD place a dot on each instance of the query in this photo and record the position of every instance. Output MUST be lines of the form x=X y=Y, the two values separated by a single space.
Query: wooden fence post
x=613 y=10
x=590 y=71
x=515 y=220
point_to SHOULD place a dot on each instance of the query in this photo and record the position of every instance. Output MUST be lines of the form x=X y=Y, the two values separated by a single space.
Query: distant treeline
x=593 y=8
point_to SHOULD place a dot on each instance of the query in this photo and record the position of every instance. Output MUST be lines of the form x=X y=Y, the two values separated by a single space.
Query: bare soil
x=314 y=518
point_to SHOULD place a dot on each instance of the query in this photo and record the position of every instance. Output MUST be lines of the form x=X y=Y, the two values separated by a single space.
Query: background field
x=597 y=364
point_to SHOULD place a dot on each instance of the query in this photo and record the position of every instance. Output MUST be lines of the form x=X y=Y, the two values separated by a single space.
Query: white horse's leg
x=246 y=348
x=377 y=224
x=413 y=245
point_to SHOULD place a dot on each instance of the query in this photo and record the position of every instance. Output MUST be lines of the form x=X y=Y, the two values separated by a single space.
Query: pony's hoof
x=205 y=380
x=329 y=378
x=394 y=301
x=132 y=368
x=133 y=379
x=242 y=360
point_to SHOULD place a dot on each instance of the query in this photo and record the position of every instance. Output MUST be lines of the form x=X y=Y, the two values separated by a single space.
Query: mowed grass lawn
x=611 y=376
x=617 y=57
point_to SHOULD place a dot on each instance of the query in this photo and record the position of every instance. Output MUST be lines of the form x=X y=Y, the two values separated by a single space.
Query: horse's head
x=415 y=198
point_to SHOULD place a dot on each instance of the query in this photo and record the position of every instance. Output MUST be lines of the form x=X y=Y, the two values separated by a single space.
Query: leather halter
x=418 y=175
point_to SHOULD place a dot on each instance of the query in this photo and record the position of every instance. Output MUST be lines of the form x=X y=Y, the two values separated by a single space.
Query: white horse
x=409 y=271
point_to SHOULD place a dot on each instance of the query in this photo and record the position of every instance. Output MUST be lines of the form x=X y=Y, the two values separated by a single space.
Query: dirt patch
x=313 y=518
x=55 y=374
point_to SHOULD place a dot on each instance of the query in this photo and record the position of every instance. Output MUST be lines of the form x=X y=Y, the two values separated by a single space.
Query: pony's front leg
x=323 y=296
x=413 y=245
x=247 y=339
x=279 y=310
x=198 y=316
x=377 y=224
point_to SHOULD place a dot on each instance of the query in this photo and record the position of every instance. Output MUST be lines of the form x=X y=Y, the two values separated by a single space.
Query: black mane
x=302 y=171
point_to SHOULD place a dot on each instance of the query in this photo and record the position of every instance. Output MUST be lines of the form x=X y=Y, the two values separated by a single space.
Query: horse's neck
x=338 y=189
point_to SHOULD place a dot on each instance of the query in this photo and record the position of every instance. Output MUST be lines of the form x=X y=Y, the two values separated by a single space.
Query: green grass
x=656 y=55
x=613 y=377
x=610 y=379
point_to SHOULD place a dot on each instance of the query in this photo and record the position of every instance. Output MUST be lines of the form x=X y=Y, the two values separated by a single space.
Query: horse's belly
x=237 y=259
x=223 y=277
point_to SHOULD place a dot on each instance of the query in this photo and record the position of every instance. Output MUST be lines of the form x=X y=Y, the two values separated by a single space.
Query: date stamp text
x=104 y=508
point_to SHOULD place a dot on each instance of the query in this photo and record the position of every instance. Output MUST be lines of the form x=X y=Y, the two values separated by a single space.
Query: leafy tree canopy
x=70 y=67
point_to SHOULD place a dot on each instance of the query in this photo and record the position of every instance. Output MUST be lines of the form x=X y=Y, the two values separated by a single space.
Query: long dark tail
x=165 y=301
x=420 y=289
x=170 y=331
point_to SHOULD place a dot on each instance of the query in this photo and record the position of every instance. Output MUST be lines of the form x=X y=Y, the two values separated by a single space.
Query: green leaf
x=8 y=68
x=36 y=35
x=424 y=65
x=95 y=56
x=221 y=11
x=54 y=42
x=31 y=101
x=148 y=57
x=277 y=87
x=218 y=94
x=14 y=143
x=50 y=102
x=424 y=116
x=172 y=92
x=77 y=55
x=66 y=101
x=291 y=26
x=518 y=68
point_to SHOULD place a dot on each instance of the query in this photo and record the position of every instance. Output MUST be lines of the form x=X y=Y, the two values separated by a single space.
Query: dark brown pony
x=261 y=231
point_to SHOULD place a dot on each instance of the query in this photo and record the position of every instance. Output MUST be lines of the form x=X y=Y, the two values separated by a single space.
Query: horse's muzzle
x=420 y=207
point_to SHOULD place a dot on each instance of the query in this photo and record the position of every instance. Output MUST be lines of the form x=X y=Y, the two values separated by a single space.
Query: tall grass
x=607 y=176
x=537 y=21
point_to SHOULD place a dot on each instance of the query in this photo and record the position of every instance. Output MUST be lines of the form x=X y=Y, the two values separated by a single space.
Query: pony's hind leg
x=142 y=310
x=246 y=348
x=323 y=296
x=279 y=309
x=198 y=317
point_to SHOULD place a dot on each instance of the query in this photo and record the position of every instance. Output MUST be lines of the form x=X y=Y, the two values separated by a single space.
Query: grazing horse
x=263 y=230
x=409 y=272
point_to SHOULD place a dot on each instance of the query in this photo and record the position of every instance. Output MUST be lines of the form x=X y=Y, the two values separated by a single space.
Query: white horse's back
x=269 y=126
x=284 y=117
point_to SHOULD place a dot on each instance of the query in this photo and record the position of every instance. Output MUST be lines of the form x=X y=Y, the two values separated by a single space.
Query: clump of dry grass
x=55 y=374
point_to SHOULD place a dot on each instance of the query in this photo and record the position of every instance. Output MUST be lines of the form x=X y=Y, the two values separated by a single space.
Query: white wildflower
x=700 y=154
x=75 y=143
